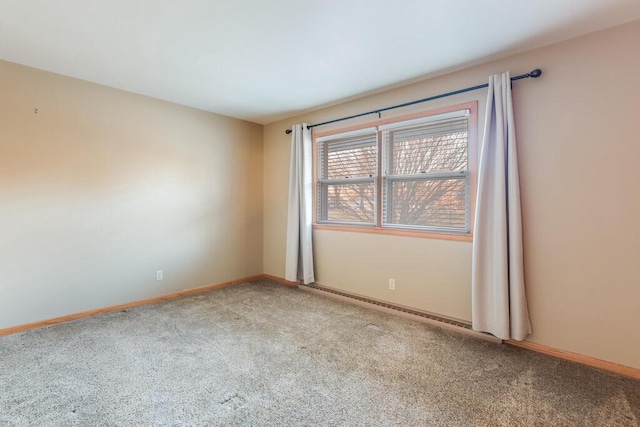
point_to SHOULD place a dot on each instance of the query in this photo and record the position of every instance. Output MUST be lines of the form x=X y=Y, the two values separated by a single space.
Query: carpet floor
x=263 y=354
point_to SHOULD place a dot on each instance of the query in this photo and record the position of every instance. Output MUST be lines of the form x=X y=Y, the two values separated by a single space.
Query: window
x=347 y=167
x=399 y=175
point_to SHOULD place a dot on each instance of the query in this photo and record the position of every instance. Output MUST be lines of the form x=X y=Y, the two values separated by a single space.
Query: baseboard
x=616 y=368
x=280 y=280
x=96 y=312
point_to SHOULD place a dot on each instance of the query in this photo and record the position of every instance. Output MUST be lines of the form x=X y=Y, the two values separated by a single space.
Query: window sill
x=395 y=232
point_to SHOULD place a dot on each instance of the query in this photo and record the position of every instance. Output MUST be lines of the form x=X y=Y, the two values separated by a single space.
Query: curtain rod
x=534 y=74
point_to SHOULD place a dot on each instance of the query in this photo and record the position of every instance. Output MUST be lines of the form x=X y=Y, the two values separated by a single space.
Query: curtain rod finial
x=535 y=73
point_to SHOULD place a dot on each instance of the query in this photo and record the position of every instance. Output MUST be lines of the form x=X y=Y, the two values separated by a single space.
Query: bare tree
x=439 y=200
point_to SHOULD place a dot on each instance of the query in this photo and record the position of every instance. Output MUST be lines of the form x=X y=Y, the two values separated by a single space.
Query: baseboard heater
x=443 y=322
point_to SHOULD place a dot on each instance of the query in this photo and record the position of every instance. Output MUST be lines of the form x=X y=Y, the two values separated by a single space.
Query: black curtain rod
x=533 y=74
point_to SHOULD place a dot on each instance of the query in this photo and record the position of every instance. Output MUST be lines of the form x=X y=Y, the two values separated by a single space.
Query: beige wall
x=102 y=188
x=578 y=155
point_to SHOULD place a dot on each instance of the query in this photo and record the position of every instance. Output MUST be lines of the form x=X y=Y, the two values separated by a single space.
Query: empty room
x=341 y=213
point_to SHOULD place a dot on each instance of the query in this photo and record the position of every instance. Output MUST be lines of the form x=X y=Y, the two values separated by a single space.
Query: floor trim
x=96 y=312
x=616 y=368
x=280 y=280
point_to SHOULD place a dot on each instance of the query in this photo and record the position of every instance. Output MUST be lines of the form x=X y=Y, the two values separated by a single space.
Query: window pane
x=427 y=203
x=428 y=149
x=349 y=157
x=350 y=202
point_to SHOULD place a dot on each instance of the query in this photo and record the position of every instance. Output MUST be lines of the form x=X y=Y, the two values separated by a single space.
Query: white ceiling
x=263 y=60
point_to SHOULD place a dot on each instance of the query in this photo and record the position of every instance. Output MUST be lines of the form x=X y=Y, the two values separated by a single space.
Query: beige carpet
x=262 y=354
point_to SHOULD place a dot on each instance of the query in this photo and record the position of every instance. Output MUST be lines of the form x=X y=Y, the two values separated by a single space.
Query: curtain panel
x=299 y=252
x=499 y=303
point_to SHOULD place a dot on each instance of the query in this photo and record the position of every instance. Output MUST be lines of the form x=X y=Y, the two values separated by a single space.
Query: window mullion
x=429 y=176
x=357 y=180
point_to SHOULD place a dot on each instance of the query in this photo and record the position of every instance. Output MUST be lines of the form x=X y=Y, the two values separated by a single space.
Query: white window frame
x=381 y=179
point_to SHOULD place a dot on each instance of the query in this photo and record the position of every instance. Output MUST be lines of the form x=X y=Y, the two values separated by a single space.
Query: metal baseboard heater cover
x=420 y=316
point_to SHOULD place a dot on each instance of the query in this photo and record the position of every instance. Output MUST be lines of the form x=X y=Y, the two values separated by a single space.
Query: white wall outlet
x=392 y=284
x=159 y=275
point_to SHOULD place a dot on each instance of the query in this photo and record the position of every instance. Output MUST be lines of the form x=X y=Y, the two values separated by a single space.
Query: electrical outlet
x=159 y=275
x=392 y=284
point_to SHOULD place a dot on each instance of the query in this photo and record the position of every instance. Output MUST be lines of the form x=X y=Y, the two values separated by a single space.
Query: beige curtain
x=499 y=303
x=299 y=252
